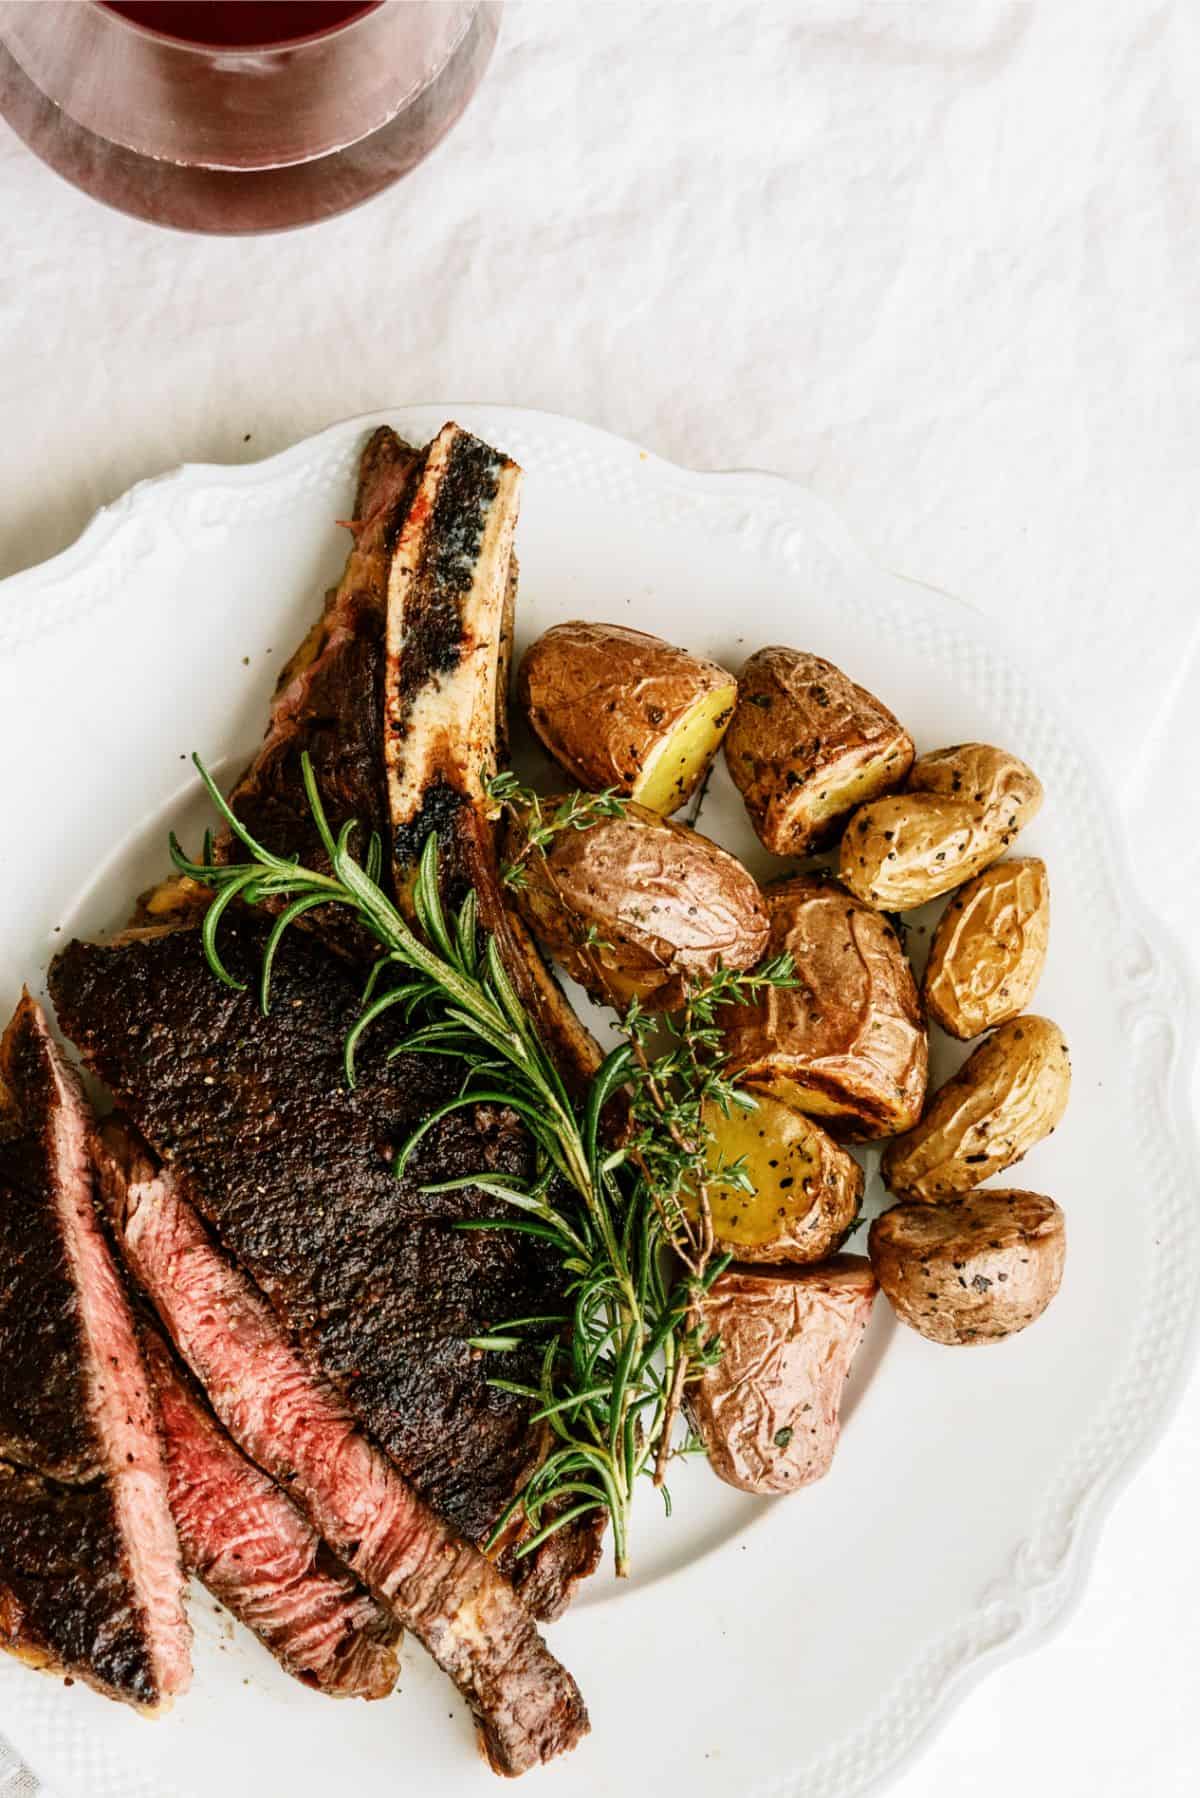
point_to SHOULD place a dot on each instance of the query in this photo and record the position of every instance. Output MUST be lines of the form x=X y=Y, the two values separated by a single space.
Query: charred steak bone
x=450 y=601
x=291 y=1422
x=90 y=1576
x=253 y=1549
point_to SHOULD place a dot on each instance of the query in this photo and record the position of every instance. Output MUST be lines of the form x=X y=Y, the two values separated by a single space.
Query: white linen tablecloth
x=939 y=260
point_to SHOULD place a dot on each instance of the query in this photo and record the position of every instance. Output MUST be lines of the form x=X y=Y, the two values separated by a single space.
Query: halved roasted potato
x=960 y=810
x=621 y=709
x=1005 y=1098
x=975 y=1271
x=806 y=746
x=768 y=1411
x=637 y=906
x=848 y=1042
x=806 y=1190
x=989 y=948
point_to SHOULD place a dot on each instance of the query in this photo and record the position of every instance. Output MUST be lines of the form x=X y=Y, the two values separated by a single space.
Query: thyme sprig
x=613 y=1361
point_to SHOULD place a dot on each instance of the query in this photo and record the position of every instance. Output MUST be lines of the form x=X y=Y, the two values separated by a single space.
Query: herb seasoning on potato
x=1005 y=1098
x=804 y=1191
x=975 y=1271
x=768 y=1411
x=806 y=746
x=848 y=1042
x=624 y=711
x=960 y=810
x=989 y=949
x=634 y=906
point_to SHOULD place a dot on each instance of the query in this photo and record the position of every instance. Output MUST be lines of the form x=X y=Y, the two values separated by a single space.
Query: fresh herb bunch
x=614 y=1361
x=540 y=822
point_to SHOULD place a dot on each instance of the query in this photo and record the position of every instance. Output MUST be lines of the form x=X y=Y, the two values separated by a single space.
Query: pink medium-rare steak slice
x=291 y=1169
x=90 y=1577
x=294 y=1425
x=252 y=1548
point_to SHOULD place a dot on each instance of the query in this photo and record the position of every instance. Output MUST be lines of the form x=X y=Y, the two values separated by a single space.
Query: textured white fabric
x=940 y=260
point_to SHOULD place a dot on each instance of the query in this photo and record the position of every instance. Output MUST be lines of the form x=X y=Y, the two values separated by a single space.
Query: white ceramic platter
x=800 y=1646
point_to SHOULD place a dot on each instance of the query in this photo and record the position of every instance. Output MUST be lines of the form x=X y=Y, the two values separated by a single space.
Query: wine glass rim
x=157 y=36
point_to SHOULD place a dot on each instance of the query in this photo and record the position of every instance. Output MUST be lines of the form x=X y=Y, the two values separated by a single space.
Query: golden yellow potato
x=768 y=1412
x=806 y=1189
x=637 y=907
x=989 y=948
x=848 y=1043
x=974 y=1271
x=806 y=746
x=961 y=808
x=1005 y=1098
x=621 y=709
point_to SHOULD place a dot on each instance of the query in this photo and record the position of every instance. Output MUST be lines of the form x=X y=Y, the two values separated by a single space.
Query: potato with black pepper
x=960 y=809
x=989 y=948
x=807 y=745
x=769 y=1410
x=804 y=1191
x=847 y=1043
x=975 y=1271
x=636 y=906
x=620 y=709
x=1005 y=1098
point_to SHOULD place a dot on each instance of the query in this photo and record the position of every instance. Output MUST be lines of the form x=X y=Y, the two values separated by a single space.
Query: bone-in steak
x=90 y=1575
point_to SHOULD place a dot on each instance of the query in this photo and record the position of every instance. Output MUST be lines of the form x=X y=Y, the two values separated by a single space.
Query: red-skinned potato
x=807 y=745
x=620 y=709
x=637 y=906
x=848 y=1042
x=768 y=1411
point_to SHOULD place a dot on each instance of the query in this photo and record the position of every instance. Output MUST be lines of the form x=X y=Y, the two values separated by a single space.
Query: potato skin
x=806 y=745
x=989 y=949
x=667 y=905
x=848 y=1043
x=1005 y=1098
x=960 y=810
x=602 y=697
x=768 y=1411
x=972 y=1272
x=807 y=1189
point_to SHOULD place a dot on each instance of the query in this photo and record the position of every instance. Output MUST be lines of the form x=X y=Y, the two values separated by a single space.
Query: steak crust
x=292 y=1171
x=90 y=1576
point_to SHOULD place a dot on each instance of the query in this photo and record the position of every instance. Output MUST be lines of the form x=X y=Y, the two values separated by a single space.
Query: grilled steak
x=292 y=1422
x=290 y=1168
x=255 y=1551
x=90 y=1576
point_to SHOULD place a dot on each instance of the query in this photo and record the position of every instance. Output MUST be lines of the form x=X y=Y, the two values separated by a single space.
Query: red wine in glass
x=239 y=115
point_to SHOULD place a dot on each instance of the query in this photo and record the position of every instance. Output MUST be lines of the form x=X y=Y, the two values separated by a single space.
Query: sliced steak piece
x=330 y=696
x=295 y=1426
x=90 y=1575
x=290 y=1168
x=253 y=1549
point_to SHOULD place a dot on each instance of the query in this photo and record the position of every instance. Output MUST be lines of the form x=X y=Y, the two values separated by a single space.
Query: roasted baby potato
x=806 y=1190
x=976 y=1271
x=806 y=746
x=960 y=810
x=1005 y=1098
x=768 y=1410
x=989 y=949
x=621 y=709
x=848 y=1042
x=636 y=907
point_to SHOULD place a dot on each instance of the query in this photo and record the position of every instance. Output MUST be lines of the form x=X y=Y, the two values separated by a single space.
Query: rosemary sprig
x=614 y=1359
